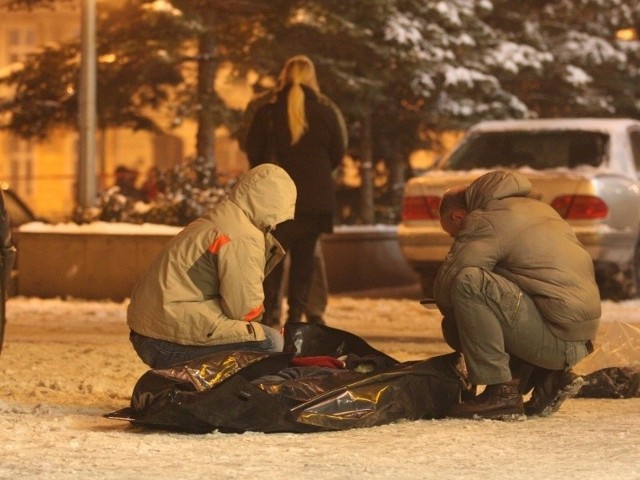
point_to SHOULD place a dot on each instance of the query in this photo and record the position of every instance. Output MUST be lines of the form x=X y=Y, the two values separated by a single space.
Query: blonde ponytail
x=298 y=71
x=295 y=108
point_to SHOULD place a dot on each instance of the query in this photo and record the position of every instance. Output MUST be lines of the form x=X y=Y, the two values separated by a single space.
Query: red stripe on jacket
x=218 y=244
x=254 y=313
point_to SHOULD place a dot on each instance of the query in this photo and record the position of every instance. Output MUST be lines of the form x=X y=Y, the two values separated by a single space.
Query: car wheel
x=623 y=286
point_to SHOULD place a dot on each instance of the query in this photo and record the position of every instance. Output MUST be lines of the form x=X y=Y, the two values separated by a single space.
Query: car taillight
x=420 y=208
x=580 y=207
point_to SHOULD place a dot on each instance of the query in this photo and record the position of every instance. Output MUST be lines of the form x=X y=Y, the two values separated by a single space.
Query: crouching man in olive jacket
x=518 y=295
x=203 y=293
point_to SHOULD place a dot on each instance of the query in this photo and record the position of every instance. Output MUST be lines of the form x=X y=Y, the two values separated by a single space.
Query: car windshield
x=538 y=150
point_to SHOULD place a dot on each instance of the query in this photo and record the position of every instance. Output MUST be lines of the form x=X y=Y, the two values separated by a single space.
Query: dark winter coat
x=527 y=242
x=311 y=161
x=205 y=286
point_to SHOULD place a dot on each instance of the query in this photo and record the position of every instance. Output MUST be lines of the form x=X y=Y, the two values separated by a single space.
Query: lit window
x=20 y=42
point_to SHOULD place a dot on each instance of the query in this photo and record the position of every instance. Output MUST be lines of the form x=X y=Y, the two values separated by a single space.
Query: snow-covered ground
x=65 y=363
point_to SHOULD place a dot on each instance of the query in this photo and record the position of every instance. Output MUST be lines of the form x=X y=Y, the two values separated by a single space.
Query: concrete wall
x=361 y=258
x=107 y=266
x=90 y=266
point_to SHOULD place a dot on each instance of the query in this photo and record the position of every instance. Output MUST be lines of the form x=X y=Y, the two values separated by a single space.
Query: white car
x=586 y=168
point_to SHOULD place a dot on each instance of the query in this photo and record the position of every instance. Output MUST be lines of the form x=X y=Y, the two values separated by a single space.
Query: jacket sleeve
x=257 y=140
x=475 y=246
x=339 y=137
x=248 y=116
x=241 y=271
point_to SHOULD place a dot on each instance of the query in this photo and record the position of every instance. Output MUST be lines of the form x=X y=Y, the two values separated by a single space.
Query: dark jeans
x=299 y=238
x=318 y=296
x=162 y=354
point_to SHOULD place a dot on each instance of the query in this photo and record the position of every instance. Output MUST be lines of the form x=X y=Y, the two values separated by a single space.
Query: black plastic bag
x=254 y=391
x=611 y=382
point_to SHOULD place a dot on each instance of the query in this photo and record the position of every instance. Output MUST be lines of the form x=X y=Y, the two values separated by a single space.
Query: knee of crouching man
x=468 y=281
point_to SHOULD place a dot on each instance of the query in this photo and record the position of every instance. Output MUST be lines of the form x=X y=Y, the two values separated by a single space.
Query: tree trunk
x=398 y=172
x=205 y=137
x=367 y=209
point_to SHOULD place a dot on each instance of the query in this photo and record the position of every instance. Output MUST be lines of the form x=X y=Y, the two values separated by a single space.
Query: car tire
x=615 y=285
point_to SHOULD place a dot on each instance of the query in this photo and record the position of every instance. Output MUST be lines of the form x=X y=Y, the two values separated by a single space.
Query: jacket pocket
x=503 y=297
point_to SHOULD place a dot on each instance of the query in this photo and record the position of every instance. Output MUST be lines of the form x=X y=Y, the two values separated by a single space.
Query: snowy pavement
x=66 y=363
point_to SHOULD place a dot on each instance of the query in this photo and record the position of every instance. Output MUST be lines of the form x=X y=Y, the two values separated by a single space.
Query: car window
x=635 y=147
x=537 y=150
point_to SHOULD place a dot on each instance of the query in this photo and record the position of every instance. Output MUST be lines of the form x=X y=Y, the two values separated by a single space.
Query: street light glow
x=627 y=34
x=107 y=58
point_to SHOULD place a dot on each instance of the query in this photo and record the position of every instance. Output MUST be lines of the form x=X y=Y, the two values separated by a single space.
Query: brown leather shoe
x=501 y=401
x=551 y=390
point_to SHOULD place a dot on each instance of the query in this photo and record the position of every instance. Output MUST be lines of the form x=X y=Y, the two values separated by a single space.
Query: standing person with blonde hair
x=300 y=129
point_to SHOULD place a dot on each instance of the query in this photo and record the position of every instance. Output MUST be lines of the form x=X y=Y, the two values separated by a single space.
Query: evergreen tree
x=138 y=71
x=591 y=72
x=423 y=63
x=399 y=69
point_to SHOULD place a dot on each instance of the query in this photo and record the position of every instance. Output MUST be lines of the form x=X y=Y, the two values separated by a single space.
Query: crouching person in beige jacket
x=203 y=293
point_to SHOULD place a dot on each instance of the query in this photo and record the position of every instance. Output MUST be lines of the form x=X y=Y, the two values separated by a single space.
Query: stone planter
x=365 y=257
x=105 y=262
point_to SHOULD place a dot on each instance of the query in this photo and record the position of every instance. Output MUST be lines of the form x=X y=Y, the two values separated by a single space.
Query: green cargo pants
x=493 y=319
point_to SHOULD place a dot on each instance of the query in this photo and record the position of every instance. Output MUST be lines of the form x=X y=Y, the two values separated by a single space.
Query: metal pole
x=87 y=108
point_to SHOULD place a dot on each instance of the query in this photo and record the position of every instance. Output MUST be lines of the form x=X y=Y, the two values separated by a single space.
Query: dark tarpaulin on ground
x=326 y=379
x=611 y=382
x=613 y=369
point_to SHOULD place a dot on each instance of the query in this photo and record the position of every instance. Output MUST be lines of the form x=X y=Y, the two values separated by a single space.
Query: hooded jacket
x=205 y=286
x=527 y=242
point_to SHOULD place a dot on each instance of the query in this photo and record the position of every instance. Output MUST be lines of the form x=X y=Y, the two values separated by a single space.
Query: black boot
x=501 y=401
x=552 y=388
x=524 y=372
